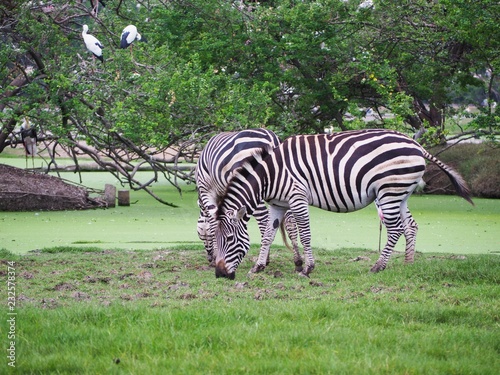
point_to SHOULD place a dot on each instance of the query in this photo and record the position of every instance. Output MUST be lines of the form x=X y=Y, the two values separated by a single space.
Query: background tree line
x=213 y=65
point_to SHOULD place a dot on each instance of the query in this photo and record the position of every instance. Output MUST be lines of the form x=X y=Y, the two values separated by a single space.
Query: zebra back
x=345 y=171
x=341 y=172
x=227 y=152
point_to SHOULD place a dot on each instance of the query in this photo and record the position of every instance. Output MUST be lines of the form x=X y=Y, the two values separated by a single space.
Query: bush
x=477 y=163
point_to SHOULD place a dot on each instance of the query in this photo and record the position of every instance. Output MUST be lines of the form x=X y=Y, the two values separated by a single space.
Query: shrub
x=477 y=163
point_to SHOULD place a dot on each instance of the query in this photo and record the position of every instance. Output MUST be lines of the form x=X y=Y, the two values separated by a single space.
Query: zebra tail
x=455 y=178
x=284 y=236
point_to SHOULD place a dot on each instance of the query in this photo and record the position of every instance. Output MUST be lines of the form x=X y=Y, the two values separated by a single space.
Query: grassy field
x=90 y=311
x=128 y=291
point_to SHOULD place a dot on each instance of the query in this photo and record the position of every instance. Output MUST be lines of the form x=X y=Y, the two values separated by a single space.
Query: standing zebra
x=342 y=172
x=221 y=157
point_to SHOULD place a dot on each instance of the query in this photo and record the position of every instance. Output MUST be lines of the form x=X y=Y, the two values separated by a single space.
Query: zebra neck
x=248 y=187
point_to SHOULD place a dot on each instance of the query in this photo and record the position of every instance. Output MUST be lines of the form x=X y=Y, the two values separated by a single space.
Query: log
x=93 y=167
x=123 y=198
x=110 y=195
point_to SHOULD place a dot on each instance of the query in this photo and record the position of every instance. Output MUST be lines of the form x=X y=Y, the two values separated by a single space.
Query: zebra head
x=233 y=241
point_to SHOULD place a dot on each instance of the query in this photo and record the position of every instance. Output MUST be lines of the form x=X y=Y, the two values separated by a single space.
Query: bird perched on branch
x=28 y=135
x=129 y=35
x=92 y=44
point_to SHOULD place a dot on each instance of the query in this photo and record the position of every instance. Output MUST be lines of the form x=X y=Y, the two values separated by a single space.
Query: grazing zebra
x=341 y=172
x=221 y=157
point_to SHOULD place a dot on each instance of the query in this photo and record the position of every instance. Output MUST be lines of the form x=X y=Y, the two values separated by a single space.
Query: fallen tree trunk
x=92 y=167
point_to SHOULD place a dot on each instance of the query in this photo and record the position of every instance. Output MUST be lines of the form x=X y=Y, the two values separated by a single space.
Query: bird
x=129 y=35
x=29 y=138
x=92 y=44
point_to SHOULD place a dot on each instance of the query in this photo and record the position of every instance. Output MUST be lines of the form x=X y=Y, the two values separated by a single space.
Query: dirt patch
x=21 y=190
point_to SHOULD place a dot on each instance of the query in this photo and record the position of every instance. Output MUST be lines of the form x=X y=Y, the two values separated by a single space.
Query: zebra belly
x=341 y=204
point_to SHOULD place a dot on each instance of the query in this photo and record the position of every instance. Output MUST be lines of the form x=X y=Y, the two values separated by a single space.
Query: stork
x=92 y=44
x=129 y=35
x=28 y=135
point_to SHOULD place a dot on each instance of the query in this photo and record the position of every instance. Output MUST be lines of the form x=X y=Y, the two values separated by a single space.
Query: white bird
x=129 y=35
x=29 y=137
x=92 y=44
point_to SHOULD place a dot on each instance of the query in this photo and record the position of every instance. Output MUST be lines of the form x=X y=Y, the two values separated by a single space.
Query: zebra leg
x=203 y=230
x=261 y=214
x=293 y=234
x=392 y=221
x=301 y=215
x=275 y=217
x=410 y=231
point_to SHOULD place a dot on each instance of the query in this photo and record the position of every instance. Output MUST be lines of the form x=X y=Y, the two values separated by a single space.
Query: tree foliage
x=213 y=65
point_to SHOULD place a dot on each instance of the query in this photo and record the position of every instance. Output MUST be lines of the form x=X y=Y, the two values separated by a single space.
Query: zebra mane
x=252 y=162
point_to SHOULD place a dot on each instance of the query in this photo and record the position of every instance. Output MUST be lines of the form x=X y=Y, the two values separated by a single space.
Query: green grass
x=163 y=312
x=128 y=290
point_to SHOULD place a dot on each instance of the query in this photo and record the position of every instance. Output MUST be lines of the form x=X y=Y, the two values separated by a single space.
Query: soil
x=22 y=190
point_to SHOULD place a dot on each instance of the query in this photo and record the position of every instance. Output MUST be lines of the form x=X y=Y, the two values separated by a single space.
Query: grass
x=163 y=312
x=128 y=290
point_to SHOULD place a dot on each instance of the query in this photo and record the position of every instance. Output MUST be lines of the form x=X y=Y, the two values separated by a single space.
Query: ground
x=22 y=190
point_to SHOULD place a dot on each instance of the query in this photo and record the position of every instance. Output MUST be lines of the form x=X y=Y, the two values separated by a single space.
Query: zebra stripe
x=342 y=172
x=221 y=157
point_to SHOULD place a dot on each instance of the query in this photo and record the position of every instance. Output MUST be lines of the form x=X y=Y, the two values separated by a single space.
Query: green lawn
x=128 y=291
x=164 y=312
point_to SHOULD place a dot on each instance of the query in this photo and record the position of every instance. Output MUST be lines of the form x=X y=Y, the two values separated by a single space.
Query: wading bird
x=92 y=44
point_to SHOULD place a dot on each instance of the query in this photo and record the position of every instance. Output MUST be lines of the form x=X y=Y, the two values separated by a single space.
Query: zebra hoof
x=304 y=274
x=257 y=268
x=298 y=266
x=377 y=268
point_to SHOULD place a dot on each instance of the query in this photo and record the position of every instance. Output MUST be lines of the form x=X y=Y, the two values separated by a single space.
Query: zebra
x=221 y=157
x=341 y=172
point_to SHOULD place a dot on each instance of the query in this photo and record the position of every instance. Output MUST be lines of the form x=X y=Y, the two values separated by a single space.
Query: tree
x=211 y=65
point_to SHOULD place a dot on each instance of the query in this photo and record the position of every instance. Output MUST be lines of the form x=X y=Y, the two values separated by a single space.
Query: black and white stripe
x=342 y=172
x=221 y=157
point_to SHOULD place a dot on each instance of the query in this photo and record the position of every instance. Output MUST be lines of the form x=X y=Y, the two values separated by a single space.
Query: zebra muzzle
x=221 y=270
